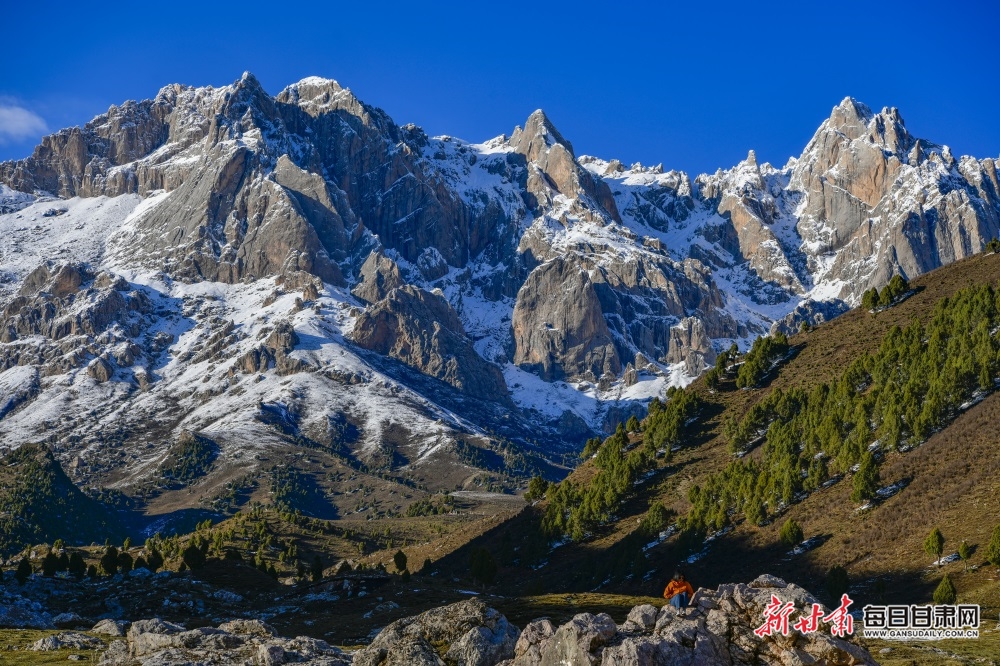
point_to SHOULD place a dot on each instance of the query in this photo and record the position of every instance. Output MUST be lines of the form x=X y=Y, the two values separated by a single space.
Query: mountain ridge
x=221 y=237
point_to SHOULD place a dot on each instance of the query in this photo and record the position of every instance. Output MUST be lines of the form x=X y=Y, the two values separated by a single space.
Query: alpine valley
x=288 y=311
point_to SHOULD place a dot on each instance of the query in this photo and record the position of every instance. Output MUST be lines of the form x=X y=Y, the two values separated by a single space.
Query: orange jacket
x=675 y=587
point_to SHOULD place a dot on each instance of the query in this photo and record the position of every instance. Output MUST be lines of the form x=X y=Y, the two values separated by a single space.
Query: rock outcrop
x=233 y=643
x=467 y=633
x=378 y=276
x=558 y=326
x=717 y=629
x=421 y=329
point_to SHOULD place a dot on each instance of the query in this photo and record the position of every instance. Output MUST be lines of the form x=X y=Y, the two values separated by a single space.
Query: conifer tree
x=77 y=566
x=399 y=559
x=934 y=545
x=837 y=582
x=866 y=479
x=945 y=592
x=155 y=560
x=24 y=571
x=193 y=557
x=965 y=552
x=317 y=569
x=791 y=533
x=109 y=561
x=993 y=548
x=49 y=564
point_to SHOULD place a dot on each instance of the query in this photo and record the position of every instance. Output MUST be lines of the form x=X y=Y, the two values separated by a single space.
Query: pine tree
x=945 y=592
x=934 y=545
x=632 y=425
x=837 y=582
x=791 y=533
x=399 y=559
x=24 y=571
x=155 y=560
x=125 y=562
x=426 y=569
x=993 y=548
x=193 y=557
x=866 y=479
x=77 y=566
x=109 y=561
x=712 y=379
x=317 y=569
x=536 y=488
x=869 y=300
x=965 y=552
x=49 y=564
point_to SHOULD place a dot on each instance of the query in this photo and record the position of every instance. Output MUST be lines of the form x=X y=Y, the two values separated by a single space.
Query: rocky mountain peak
x=317 y=95
x=537 y=137
x=850 y=117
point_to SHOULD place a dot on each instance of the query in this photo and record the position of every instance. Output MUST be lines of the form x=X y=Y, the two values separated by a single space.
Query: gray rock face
x=378 y=276
x=559 y=329
x=421 y=329
x=888 y=202
x=812 y=313
x=474 y=634
x=554 y=166
x=60 y=312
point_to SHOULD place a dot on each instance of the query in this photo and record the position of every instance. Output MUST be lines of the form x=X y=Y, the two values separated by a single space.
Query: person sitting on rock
x=678 y=591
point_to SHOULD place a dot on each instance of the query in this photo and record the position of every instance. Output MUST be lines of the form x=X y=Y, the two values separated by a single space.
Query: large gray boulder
x=467 y=633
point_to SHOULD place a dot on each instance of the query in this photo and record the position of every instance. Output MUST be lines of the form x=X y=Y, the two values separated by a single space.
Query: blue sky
x=692 y=85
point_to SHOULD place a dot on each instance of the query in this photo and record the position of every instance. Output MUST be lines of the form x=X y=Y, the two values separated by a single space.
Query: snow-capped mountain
x=253 y=268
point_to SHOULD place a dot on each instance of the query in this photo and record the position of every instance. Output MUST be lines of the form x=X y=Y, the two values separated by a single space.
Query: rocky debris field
x=718 y=628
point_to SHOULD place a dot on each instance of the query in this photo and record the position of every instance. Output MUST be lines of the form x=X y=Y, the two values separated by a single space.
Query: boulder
x=71 y=640
x=115 y=628
x=467 y=633
x=69 y=621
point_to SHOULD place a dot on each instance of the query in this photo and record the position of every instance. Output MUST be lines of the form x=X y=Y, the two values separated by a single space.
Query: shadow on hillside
x=527 y=565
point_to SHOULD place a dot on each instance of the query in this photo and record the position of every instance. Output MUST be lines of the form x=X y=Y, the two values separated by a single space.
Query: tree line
x=916 y=383
x=575 y=509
